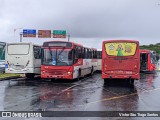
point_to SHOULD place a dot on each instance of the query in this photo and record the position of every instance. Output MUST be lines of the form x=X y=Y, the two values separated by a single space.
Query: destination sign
x=44 y=33
x=57 y=44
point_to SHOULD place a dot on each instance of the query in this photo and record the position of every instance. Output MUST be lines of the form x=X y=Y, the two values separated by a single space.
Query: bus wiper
x=50 y=51
x=61 y=51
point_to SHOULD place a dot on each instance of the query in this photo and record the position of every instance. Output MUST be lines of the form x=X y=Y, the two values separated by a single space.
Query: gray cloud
x=87 y=20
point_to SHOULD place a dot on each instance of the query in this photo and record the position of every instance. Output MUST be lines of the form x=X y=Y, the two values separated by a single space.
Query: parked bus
x=120 y=60
x=99 y=60
x=67 y=60
x=23 y=58
x=148 y=61
x=2 y=56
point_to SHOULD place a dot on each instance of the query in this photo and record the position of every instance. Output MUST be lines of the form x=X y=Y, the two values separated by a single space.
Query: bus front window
x=57 y=57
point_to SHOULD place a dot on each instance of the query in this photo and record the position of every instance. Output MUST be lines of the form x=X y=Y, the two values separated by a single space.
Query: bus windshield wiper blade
x=50 y=51
x=61 y=51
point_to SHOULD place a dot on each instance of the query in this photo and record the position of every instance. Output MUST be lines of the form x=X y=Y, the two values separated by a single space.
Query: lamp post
x=19 y=33
x=21 y=36
x=68 y=35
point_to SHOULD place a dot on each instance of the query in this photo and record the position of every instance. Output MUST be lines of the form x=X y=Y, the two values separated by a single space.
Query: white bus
x=23 y=58
x=99 y=60
x=2 y=57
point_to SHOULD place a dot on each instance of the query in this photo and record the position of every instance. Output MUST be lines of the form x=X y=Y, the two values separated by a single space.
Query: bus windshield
x=57 y=57
x=120 y=48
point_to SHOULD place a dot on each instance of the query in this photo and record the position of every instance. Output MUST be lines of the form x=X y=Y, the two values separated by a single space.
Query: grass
x=5 y=75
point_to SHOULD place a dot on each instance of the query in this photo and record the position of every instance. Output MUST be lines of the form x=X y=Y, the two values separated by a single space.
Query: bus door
x=37 y=58
x=144 y=61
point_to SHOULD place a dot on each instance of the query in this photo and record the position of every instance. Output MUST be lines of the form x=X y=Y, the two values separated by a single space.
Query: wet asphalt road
x=88 y=94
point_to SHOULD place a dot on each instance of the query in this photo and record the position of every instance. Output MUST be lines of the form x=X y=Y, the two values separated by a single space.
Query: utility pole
x=21 y=36
x=21 y=33
x=68 y=35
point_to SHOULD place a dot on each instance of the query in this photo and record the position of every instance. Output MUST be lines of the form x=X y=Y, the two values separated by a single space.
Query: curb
x=8 y=78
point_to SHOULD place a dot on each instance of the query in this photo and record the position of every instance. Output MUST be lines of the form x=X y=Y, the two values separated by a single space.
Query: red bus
x=147 y=60
x=120 y=60
x=67 y=60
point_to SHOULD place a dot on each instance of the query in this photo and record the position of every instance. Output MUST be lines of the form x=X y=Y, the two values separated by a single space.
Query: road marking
x=118 y=97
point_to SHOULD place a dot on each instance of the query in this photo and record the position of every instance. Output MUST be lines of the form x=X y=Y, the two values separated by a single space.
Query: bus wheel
x=106 y=81
x=30 y=75
x=132 y=82
x=52 y=80
x=79 y=74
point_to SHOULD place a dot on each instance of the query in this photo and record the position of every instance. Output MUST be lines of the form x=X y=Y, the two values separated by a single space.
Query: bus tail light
x=105 y=67
x=135 y=66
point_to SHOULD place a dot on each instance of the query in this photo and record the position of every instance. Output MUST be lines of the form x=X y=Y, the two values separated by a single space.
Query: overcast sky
x=88 y=21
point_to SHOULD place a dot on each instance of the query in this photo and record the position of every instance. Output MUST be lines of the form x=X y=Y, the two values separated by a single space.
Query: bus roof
x=120 y=41
x=2 y=43
x=144 y=51
x=64 y=41
x=23 y=43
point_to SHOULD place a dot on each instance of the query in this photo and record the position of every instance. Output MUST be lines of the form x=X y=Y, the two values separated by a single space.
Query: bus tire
x=79 y=74
x=30 y=75
x=132 y=82
x=106 y=81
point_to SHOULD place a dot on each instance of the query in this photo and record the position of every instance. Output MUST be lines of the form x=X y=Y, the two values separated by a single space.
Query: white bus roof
x=23 y=43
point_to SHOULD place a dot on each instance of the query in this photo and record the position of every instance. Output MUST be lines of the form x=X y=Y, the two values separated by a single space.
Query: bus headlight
x=69 y=73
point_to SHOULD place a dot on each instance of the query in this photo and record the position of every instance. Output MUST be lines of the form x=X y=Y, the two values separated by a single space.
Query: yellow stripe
x=118 y=97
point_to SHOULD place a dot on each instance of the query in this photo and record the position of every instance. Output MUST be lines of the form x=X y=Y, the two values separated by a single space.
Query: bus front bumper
x=68 y=75
x=25 y=70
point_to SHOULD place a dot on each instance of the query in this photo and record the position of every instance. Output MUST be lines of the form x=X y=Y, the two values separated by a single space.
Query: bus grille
x=56 y=72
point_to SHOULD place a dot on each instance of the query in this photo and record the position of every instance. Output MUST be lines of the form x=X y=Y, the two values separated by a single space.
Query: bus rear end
x=19 y=58
x=120 y=60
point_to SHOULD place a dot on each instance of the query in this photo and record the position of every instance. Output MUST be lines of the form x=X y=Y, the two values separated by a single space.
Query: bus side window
x=37 y=52
x=83 y=52
x=75 y=54
x=87 y=53
x=79 y=52
x=91 y=54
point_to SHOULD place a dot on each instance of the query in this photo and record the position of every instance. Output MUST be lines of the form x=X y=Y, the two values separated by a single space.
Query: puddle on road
x=34 y=95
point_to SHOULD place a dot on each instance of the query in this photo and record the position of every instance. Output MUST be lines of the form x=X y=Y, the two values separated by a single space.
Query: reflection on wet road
x=85 y=95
